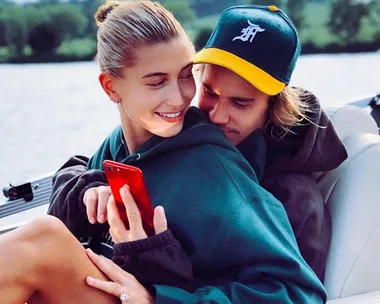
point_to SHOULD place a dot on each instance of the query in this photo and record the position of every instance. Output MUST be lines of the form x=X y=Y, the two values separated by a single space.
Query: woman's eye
x=156 y=84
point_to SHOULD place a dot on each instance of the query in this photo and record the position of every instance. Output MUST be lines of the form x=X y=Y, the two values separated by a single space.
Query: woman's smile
x=171 y=116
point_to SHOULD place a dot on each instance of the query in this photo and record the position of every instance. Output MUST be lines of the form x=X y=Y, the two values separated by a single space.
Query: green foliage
x=278 y=3
x=54 y=24
x=293 y=8
x=67 y=19
x=4 y=54
x=315 y=29
x=88 y=9
x=345 y=19
x=295 y=11
x=15 y=29
x=210 y=7
x=181 y=9
x=372 y=22
x=202 y=38
x=43 y=38
x=66 y=30
x=77 y=47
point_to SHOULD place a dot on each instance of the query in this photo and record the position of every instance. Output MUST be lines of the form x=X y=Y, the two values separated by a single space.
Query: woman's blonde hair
x=287 y=109
x=126 y=25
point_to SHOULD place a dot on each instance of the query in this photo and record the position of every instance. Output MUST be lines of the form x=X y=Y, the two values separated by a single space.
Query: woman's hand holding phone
x=136 y=231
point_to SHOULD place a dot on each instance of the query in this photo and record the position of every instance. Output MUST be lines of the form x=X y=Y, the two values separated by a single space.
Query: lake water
x=49 y=112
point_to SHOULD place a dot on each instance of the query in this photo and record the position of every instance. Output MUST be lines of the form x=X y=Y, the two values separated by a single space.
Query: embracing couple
x=238 y=217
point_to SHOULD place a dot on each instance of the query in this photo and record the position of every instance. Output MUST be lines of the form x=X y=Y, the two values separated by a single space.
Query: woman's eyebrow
x=155 y=74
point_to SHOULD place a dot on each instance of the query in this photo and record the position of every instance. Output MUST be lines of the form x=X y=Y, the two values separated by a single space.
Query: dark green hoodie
x=236 y=234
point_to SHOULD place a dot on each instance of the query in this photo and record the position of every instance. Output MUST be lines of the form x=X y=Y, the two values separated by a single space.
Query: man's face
x=232 y=103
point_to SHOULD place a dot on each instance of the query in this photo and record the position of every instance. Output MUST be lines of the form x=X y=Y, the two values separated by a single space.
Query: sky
x=23 y=1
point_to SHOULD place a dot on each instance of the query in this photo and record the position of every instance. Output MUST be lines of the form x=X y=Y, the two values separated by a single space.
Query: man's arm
x=308 y=215
x=66 y=201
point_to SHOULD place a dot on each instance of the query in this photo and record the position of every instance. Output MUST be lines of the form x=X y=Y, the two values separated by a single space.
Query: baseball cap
x=259 y=43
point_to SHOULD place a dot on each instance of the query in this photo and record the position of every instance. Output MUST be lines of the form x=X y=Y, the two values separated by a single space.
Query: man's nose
x=219 y=113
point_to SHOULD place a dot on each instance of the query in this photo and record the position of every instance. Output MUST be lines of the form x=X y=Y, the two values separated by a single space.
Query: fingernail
x=88 y=250
x=161 y=209
x=93 y=220
x=123 y=189
x=90 y=280
x=101 y=218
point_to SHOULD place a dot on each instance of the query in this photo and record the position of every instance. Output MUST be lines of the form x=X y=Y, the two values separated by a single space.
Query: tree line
x=43 y=26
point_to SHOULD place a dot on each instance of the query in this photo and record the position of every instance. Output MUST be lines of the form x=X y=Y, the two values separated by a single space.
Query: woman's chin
x=169 y=131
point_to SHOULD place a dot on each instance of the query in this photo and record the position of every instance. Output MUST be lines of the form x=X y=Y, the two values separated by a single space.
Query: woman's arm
x=157 y=259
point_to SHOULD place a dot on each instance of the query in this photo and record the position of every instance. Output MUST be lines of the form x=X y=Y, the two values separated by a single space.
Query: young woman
x=236 y=235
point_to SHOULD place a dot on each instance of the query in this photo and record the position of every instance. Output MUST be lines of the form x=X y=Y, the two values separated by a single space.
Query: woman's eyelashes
x=157 y=84
x=161 y=82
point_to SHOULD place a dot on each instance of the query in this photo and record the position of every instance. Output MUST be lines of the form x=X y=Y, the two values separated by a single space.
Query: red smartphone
x=118 y=175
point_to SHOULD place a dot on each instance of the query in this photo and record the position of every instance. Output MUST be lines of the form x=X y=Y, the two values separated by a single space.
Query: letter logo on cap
x=249 y=32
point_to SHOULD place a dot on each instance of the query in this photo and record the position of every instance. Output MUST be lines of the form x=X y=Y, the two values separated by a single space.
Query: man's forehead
x=212 y=73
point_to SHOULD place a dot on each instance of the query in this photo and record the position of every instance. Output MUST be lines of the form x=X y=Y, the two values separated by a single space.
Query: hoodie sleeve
x=68 y=187
x=308 y=216
x=311 y=146
x=158 y=259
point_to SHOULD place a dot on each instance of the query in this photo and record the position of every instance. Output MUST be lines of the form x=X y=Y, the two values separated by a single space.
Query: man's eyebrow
x=234 y=98
x=208 y=86
x=155 y=74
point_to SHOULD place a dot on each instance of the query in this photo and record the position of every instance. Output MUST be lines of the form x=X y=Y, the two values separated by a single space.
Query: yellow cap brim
x=251 y=73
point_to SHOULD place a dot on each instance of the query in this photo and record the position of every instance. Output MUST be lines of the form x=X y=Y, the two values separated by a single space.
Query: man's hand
x=96 y=200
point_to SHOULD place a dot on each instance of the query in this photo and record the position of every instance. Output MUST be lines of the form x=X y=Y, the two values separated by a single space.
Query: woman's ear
x=108 y=84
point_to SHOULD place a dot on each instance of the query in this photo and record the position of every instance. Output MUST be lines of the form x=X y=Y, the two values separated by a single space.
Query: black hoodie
x=310 y=147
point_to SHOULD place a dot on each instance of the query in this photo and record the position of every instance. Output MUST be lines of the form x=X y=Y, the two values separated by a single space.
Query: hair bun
x=104 y=10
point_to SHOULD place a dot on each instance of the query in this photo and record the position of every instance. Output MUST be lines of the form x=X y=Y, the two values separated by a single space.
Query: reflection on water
x=49 y=112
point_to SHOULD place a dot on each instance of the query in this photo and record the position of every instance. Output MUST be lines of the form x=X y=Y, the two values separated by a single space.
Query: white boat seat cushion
x=352 y=192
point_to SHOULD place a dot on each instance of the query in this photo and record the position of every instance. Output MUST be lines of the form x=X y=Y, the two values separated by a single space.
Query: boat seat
x=352 y=193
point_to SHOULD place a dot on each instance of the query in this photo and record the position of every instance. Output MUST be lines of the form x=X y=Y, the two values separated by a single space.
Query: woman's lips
x=171 y=116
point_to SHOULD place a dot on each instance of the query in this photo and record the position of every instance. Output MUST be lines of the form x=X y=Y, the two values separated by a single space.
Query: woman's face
x=157 y=91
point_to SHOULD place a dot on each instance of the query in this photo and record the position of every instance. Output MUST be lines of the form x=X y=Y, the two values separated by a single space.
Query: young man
x=245 y=69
